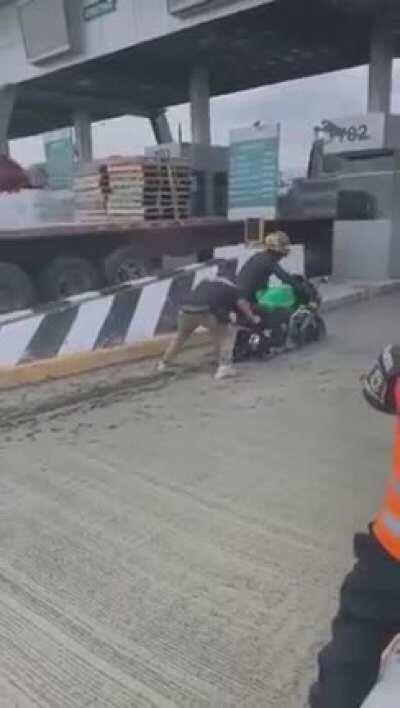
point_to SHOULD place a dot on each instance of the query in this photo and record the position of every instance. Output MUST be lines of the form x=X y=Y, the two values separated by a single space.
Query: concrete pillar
x=382 y=54
x=161 y=129
x=7 y=101
x=200 y=106
x=201 y=125
x=5 y=147
x=83 y=136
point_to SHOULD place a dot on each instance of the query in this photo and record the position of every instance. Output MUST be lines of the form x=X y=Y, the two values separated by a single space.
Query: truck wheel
x=17 y=291
x=68 y=276
x=123 y=265
x=207 y=254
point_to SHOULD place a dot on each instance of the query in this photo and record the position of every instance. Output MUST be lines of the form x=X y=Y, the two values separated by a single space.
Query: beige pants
x=222 y=335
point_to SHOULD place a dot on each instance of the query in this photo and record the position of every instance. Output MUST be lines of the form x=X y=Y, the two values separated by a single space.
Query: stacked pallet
x=90 y=193
x=144 y=188
x=134 y=188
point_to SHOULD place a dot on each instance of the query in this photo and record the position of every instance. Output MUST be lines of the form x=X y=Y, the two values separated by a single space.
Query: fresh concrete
x=176 y=542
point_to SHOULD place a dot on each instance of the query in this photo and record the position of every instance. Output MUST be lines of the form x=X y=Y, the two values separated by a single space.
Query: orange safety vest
x=386 y=526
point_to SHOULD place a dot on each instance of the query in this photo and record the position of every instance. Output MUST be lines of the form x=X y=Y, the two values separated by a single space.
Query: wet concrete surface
x=177 y=542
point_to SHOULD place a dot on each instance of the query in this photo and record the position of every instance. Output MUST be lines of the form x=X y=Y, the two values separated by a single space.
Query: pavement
x=174 y=542
x=339 y=293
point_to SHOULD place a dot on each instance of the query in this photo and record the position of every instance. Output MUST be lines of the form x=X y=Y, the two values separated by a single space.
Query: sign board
x=180 y=7
x=254 y=172
x=59 y=151
x=96 y=8
x=354 y=133
x=45 y=29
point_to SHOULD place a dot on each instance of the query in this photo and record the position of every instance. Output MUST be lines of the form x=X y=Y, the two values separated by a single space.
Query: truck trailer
x=55 y=261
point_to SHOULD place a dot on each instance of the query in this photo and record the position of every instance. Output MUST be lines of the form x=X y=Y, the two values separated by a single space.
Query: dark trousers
x=367 y=620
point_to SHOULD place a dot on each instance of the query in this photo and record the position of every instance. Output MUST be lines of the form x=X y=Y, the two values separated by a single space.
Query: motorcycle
x=290 y=318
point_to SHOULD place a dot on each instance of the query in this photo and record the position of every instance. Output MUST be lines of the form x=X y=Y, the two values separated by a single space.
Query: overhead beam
x=75 y=101
x=127 y=79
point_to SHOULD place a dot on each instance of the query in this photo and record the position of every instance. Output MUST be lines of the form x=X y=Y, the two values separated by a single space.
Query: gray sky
x=298 y=105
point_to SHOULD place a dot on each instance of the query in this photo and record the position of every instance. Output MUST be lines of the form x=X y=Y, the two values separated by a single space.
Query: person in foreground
x=214 y=305
x=369 y=613
x=386 y=693
x=256 y=272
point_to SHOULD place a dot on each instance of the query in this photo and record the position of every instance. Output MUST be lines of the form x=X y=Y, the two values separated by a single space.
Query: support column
x=200 y=106
x=381 y=67
x=201 y=127
x=83 y=136
x=7 y=102
x=161 y=129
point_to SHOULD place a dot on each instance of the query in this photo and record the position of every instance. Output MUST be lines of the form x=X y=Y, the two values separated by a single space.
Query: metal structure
x=74 y=61
x=71 y=62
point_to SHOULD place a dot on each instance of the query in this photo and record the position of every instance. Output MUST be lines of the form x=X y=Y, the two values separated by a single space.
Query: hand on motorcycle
x=257 y=324
x=245 y=309
x=254 y=321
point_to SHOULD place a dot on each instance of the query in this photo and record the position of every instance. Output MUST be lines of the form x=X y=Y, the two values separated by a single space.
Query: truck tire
x=123 y=265
x=206 y=254
x=17 y=291
x=66 y=276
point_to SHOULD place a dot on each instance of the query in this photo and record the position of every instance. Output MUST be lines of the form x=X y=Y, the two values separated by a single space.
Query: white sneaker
x=161 y=367
x=225 y=371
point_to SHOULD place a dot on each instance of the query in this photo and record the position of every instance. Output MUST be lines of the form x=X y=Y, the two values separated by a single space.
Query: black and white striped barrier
x=131 y=314
x=51 y=307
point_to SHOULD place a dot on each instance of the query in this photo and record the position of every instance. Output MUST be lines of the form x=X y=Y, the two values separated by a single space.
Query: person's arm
x=245 y=308
x=284 y=276
x=300 y=288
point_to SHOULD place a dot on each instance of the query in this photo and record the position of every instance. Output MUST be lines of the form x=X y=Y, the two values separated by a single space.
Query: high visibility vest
x=386 y=526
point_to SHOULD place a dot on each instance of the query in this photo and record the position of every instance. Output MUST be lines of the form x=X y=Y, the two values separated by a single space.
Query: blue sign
x=254 y=172
x=59 y=151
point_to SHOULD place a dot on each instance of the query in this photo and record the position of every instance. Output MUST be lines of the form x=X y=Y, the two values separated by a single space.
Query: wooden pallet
x=128 y=190
x=132 y=198
x=139 y=188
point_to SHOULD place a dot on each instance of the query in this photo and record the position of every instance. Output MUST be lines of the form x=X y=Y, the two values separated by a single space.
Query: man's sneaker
x=225 y=371
x=161 y=367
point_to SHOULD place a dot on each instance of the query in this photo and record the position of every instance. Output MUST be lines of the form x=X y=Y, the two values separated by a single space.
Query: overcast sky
x=298 y=105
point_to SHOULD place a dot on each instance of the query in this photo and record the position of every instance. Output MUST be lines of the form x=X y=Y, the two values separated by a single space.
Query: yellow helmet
x=279 y=242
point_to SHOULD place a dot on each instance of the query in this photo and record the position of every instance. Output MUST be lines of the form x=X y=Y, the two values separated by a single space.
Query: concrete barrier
x=124 y=324
x=63 y=304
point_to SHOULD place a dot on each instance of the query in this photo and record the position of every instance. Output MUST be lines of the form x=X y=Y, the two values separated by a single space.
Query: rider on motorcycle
x=256 y=272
